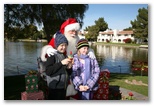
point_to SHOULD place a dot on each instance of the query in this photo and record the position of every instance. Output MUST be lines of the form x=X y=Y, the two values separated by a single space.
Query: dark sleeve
x=51 y=66
x=69 y=71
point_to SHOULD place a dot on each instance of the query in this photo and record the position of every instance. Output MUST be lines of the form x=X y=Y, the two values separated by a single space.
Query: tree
x=128 y=29
x=140 y=25
x=30 y=31
x=100 y=25
x=42 y=33
x=14 y=33
x=86 y=29
x=50 y=16
x=92 y=33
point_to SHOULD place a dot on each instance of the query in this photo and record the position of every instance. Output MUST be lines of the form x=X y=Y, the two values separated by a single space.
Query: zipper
x=66 y=79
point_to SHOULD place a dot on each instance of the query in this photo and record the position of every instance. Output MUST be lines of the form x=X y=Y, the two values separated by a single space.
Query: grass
x=119 y=80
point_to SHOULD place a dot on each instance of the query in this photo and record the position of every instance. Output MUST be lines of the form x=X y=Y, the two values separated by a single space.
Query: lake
x=20 y=57
x=118 y=59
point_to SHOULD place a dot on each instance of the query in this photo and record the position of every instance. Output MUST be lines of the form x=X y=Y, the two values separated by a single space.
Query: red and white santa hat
x=69 y=24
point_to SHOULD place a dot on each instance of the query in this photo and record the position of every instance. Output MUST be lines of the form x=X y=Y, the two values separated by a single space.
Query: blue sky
x=118 y=16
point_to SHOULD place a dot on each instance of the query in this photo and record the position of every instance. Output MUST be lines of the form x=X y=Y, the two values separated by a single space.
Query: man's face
x=72 y=33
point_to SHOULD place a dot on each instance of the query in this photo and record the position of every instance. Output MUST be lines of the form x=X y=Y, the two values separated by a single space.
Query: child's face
x=62 y=47
x=84 y=50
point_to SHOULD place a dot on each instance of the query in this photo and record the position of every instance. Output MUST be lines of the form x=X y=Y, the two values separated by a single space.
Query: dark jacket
x=57 y=74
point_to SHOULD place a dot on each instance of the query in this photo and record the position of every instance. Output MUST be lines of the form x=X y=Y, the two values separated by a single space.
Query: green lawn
x=119 y=80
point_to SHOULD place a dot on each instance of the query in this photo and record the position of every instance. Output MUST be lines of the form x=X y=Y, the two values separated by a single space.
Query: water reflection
x=21 y=57
x=118 y=59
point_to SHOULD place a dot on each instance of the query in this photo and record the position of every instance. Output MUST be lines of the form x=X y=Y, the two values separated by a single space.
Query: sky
x=117 y=16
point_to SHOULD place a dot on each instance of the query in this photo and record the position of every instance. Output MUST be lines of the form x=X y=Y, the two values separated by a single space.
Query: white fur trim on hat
x=74 y=26
x=54 y=35
x=44 y=52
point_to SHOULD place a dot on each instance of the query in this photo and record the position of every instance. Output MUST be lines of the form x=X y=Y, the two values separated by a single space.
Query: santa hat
x=69 y=24
x=52 y=41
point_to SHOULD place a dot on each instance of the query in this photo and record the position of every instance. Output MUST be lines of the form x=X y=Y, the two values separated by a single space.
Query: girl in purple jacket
x=85 y=71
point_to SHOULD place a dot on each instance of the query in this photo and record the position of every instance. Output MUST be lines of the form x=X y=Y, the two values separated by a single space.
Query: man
x=70 y=29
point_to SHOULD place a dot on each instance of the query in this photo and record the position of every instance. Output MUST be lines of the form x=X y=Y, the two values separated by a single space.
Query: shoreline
x=27 y=40
x=92 y=43
x=121 y=44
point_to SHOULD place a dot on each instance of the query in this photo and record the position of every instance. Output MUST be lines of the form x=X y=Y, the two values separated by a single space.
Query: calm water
x=20 y=57
x=118 y=59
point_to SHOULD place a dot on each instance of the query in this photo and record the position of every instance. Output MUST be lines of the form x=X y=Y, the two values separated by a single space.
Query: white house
x=81 y=35
x=116 y=36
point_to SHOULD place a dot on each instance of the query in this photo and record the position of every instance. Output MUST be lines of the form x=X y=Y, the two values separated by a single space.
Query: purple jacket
x=77 y=74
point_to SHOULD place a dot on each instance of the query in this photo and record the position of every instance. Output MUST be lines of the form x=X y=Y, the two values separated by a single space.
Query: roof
x=119 y=32
x=125 y=32
x=109 y=32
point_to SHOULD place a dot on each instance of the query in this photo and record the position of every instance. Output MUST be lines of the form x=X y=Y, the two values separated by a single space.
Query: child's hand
x=86 y=88
x=69 y=65
x=72 y=61
x=81 y=88
x=66 y=61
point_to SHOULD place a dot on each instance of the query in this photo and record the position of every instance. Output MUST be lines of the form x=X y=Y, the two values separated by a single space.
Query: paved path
x=136 y=95
x=125 y=93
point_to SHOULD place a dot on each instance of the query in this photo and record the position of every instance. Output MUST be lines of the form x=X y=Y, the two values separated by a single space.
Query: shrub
x=128 y=40
x=107 y=41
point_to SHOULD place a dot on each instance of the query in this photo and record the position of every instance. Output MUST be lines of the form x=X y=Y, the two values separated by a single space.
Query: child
x=58 y=69
x=85 y=71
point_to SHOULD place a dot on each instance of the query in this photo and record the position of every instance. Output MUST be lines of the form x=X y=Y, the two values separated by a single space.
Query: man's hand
x=51 y=51
x=91 y=53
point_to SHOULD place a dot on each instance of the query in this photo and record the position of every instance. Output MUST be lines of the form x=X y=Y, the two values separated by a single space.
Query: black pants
x=57 y=94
